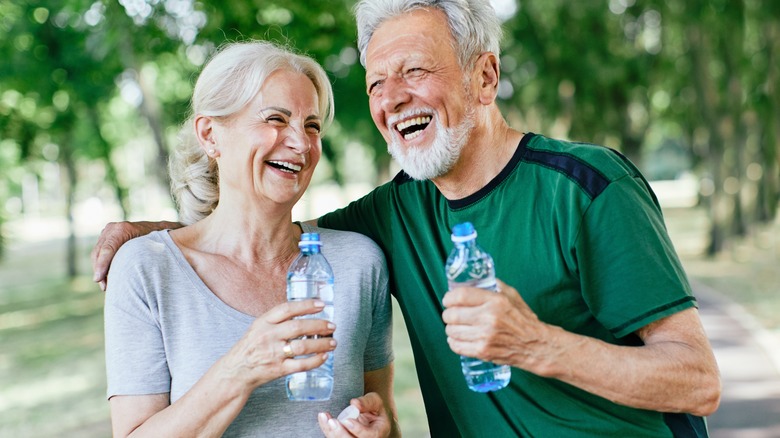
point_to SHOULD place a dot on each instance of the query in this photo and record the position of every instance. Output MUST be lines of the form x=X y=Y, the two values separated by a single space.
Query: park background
x=92 y=92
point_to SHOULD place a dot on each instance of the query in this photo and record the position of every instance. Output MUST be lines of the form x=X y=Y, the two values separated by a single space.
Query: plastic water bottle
x=470 y=265
x=311 y=277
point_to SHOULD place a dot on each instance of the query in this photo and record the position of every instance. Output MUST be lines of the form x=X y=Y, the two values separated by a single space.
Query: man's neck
x=485 y=155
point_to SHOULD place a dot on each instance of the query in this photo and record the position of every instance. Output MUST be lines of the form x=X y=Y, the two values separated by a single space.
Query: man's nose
x=395 y=94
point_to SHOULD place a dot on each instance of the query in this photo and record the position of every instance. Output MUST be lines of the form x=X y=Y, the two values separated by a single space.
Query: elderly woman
x=196 y=318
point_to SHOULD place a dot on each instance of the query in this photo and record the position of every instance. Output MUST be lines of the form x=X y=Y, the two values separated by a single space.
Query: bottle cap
x=463 y=232
x=349 y=413
x=308 y=239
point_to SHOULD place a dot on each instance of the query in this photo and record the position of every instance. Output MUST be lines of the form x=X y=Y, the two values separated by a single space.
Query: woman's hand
x=372 y=421
x=271 y=348
x=260 y=356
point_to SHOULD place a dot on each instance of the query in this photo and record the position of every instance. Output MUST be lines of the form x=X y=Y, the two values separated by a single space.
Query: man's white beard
x=437 y=159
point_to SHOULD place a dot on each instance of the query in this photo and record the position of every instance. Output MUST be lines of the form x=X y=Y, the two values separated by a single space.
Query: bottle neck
x=466 y=244
x=310 y=249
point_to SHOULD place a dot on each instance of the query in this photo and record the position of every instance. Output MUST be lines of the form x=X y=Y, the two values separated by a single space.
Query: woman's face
x=271 y=147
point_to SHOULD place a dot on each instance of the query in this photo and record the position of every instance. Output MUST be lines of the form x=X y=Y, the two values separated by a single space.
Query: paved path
x=749 y=360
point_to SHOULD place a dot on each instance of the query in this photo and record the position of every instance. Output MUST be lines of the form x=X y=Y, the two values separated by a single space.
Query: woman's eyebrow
x=284 y=111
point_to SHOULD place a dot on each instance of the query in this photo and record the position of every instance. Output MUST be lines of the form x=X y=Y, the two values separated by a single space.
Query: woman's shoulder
x=144 y=250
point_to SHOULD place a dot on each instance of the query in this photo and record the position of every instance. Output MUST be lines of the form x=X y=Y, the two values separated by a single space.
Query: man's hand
x=496 y=327
x=372 y=421
x=114 y=235
x=674 y=371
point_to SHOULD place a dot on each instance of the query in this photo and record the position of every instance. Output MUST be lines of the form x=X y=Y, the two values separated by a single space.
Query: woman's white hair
x=474 y=25
x=229 y=81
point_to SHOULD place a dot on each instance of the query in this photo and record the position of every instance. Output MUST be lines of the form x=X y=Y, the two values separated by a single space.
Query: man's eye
x=414 y=72
x=375 y=87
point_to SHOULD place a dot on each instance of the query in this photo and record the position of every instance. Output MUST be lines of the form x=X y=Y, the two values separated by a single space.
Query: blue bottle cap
x=310 y=239
x=463 y=232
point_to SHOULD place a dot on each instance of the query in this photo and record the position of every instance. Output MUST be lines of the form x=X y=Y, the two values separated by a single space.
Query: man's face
x=418 y=94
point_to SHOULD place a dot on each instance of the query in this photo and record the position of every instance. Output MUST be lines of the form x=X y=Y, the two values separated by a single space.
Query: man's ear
x=488 y=76
x=204 y=130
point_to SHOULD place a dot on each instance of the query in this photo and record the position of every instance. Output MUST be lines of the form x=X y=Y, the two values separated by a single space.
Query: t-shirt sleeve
x=379 y=349
x=135 y=356
x=630 y=272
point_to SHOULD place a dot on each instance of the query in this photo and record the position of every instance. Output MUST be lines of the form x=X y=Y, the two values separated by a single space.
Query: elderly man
x=594 y=314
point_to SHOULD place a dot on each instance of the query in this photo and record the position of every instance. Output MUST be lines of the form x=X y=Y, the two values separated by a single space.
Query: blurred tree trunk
x=733 y=123
x=150 y=110
x=150 y=105
x=706 y=99
x=771 y=124
x=68 y=162
x=120 y=190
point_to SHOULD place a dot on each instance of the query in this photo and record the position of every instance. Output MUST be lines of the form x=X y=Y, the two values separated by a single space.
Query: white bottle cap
x=350 y=412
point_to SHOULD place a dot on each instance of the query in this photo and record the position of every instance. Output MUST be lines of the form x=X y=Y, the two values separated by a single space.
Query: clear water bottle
x=470 y=265
x=311 y=277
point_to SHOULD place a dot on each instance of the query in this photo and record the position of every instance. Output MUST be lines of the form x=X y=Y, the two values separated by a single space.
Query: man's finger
x=102 y=261
x=466 y=296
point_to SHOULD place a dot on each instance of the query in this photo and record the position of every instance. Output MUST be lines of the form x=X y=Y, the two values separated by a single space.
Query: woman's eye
x=277 y=119
x=314 y=127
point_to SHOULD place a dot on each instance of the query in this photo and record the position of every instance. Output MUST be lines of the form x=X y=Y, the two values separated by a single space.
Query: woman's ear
x=204 y=130
x=489 y=74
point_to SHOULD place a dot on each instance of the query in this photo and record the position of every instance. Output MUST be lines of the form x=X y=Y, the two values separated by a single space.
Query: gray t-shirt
x=164 y=328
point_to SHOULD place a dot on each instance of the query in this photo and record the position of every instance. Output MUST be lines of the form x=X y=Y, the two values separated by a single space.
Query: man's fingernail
x=319 y=303
x=334 y=425
x=103 y=285
x=322 y=416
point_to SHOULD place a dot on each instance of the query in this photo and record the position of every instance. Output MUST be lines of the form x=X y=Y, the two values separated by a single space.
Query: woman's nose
x=297 y=140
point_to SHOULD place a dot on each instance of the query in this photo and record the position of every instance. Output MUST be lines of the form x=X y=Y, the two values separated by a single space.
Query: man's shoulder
x=589 y=163
x=590 y=153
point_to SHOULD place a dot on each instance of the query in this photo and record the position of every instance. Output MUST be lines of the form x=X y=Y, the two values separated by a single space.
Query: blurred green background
x=92 y=92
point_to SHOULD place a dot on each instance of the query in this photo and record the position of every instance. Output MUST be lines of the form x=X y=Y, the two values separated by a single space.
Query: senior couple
x=594 y=313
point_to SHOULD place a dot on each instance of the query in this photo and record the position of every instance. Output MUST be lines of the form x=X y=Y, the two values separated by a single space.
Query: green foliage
x=97 y=77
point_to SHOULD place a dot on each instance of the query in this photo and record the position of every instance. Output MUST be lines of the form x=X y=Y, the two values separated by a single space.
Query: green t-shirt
x=577 y=231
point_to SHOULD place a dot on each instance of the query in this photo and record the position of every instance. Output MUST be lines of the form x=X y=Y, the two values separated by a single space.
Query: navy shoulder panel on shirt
x=568 y=163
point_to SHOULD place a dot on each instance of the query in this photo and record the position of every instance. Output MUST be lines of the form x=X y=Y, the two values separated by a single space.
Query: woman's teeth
x=285 y=166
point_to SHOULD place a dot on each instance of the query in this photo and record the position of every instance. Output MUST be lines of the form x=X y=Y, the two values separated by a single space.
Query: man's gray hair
x=474 y=25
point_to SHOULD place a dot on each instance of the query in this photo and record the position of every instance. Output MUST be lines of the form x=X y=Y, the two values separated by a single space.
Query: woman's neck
x=251 y=237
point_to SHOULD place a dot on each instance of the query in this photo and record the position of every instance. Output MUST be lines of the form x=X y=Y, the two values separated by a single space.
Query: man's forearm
x=668 y=374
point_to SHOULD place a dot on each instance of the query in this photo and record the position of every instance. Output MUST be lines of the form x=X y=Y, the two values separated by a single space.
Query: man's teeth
x=414 y=122
x=412 y=135
x=289 y=167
